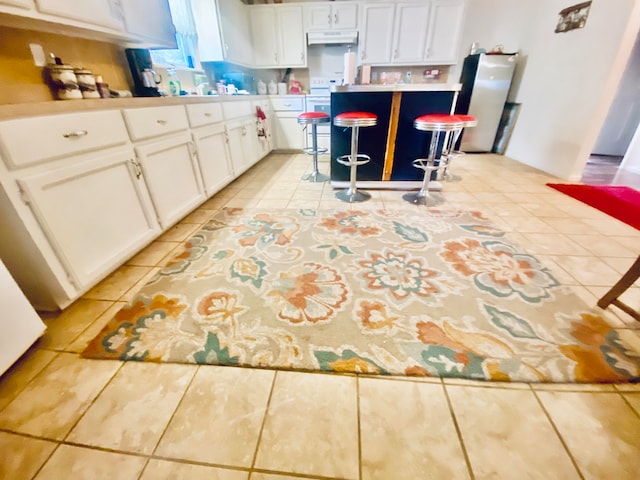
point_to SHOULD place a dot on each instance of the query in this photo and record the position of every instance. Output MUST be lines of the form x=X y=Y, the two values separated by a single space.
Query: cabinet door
x=445 y=29
x=234 y=134
x=172 y=177
x=250 y=141
x=95 y=213
x=289 y=134
x=344 y=16
x=206 y=18
x=318 y=17
x=106 y=13
x=150 y=20
x=236 y=36
x=410 y=33
x=264 y=28
x=292 y=39
x=377 y=37
x=213 y=158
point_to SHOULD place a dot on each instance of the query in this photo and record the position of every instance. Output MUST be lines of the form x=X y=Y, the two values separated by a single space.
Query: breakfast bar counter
x=393 y=143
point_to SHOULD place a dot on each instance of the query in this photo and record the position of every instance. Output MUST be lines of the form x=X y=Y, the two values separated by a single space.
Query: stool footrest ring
x=361 y=159
x=319 y=151
x=426 y=164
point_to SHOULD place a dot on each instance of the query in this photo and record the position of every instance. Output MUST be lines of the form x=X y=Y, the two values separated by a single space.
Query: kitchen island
x=393 y=143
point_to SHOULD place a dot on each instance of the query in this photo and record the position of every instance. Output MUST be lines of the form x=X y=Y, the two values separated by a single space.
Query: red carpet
x=622 y=203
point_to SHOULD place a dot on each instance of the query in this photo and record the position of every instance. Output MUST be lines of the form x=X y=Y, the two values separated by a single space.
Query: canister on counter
x=86 y=83
x=63 y=82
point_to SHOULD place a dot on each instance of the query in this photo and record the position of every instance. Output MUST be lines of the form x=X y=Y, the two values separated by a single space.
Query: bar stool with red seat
x=354 y=120
x=467 y=122
x=314 y=119
x=436 y=124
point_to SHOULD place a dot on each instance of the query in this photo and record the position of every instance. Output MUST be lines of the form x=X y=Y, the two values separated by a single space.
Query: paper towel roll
x=349 y=68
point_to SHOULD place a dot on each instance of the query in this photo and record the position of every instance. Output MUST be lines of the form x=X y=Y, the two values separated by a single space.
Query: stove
x=319 y=100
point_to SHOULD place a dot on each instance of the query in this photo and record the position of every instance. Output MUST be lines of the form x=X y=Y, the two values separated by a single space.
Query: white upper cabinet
x=377 y=33
x=235 y=34
x=223 y=31
x=445 y=29
x=293 y=48
x=207 y=20
x=331 y=16
x=150 y=22
x=105 y=13
x=278 y=36
x=262 y=20
x=411 y=32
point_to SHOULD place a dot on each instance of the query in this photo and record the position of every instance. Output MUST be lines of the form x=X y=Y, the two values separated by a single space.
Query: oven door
x=320 y=103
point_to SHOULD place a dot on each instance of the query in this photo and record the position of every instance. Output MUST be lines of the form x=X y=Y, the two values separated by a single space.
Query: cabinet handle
x=336 y=18
x=329 y=19
x=362 y=55
x=161 y=122
x=302 y=56
x=207 y=114
x=395 y=53
x=275 y=56
x=286 y=104
x=76 y=134
x=137 y=168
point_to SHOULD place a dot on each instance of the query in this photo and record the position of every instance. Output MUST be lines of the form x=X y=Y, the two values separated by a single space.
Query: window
x=186 y=38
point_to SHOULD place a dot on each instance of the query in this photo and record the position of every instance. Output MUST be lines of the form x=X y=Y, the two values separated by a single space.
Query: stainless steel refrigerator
x=485 y=79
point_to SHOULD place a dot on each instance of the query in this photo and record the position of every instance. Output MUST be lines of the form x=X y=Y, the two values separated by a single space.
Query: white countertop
x=69 y=106
x=399 y=87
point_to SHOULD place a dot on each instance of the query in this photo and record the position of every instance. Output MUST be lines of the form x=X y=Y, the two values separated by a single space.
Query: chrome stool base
x=316 y=177
x=353 y=196
x=422 y=198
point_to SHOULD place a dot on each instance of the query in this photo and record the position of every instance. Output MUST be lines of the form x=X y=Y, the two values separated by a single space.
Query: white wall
x=569 y=83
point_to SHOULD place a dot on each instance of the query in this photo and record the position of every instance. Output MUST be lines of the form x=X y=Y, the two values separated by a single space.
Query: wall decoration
x=573 y=17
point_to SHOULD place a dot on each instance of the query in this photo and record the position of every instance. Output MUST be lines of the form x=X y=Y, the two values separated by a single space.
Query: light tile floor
x=66 y=417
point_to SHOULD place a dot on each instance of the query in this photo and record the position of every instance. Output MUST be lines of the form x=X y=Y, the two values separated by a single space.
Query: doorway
x=623 y=119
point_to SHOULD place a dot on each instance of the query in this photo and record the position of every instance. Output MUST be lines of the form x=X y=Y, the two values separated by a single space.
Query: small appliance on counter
x=145 y=79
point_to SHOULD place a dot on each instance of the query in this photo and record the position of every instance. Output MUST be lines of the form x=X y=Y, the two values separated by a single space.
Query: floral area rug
x=422 y=292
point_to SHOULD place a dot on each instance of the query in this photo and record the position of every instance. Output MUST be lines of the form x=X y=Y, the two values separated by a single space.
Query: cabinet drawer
x=288 y=104
x=29 y=141
x=204 y=114
x=236 y=109
x=151 y=122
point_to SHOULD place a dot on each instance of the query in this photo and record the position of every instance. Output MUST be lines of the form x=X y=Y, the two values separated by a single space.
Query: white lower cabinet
x=243 y=144
x=101 y=185
x=288 y=132
x=95 y=213
x=172 y=175
x=213 y=157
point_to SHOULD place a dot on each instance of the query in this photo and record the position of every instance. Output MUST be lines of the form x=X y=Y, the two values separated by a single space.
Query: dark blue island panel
x=408 y=143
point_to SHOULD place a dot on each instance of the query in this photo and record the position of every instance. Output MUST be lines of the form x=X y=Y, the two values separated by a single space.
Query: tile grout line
x=173 y=414
x=35 y=474
x=555 y=429
x=264 y=421
x=113 y=302
x=32 y=379
x=459 y=432
x=93 y=401
x=624 y=399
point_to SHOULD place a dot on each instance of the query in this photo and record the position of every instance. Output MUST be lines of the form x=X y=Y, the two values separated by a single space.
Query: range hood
x=330 y=37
